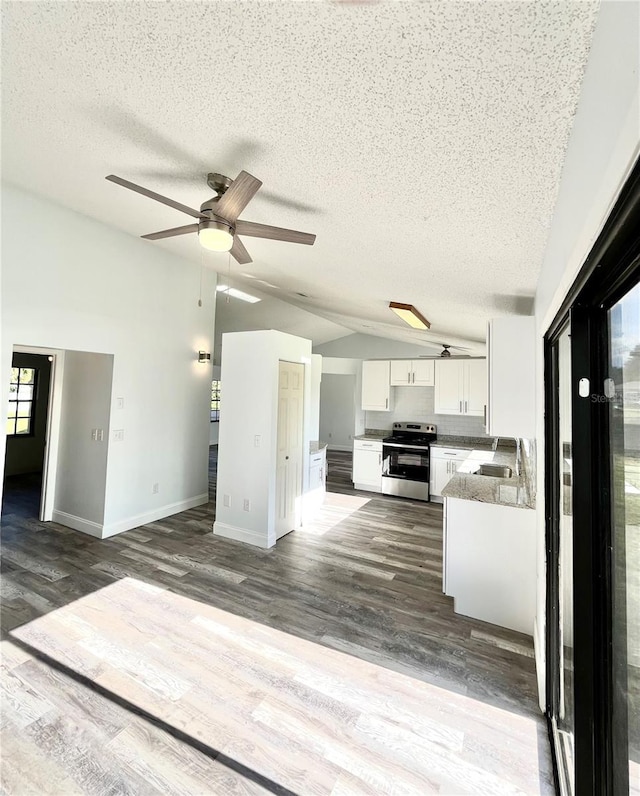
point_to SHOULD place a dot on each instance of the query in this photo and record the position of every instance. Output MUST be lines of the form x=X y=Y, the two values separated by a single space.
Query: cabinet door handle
x=386 y=403
x=379 y=458
x=484 y=415
x=413 y=377
x=460 y=407
x=465 y=407
x=408 y=377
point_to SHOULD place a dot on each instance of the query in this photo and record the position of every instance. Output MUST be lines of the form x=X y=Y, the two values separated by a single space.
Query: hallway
x=331 y=663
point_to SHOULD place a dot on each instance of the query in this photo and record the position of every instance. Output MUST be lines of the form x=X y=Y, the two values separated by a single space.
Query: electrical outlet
x=246 y=505
x=118 y=435
x=100 y=434
x=119 y=403
x=155 y=489
x=94 y=434
x=227 y=501
x=257 y=440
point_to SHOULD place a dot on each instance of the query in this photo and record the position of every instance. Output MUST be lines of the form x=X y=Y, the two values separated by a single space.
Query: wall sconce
x=204 y=356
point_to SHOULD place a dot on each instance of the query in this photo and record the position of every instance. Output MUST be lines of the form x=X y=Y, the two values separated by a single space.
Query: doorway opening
x=27 y=431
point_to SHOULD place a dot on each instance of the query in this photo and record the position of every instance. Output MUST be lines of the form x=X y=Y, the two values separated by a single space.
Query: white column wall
x=247 y=471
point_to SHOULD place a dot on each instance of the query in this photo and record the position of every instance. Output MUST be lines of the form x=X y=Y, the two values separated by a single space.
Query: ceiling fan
x=445 y=353
x=218 y=225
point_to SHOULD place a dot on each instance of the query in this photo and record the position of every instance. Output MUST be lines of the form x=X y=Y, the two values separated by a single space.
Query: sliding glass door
x=592 y=495
x=623 y=390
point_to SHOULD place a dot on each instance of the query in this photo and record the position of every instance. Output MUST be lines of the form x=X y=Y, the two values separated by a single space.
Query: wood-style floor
x=167 y=660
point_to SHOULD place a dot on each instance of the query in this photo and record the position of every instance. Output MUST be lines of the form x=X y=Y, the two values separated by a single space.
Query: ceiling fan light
x=410 y=315
x=215 y=236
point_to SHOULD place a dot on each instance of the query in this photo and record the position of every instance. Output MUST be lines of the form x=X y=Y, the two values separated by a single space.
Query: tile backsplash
x=417 y=404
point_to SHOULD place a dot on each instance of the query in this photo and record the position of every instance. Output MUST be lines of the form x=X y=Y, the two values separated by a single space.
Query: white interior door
x=290 y=454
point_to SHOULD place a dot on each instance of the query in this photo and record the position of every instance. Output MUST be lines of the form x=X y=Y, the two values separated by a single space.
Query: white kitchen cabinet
x=489 y=560
x=444 y=465
x=367 y=465
x=412 y=373
x=315 y=494
x=511 y=401
x=376 y=385
x=460 y=387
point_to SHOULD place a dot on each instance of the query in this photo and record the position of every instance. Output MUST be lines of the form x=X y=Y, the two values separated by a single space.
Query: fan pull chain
x=201 y=272
x=228 y=278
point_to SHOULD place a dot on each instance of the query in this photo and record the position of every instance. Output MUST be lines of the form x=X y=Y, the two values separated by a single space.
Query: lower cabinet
x=367 y=465
x=489 y=562
x=315 y=494
x=444 y=463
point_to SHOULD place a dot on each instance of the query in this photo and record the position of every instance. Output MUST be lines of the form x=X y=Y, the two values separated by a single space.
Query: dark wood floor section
x=362 y=583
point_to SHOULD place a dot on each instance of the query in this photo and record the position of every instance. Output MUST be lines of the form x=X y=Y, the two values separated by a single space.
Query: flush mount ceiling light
x=215 y=236
x=231 y=291
x=410 y=315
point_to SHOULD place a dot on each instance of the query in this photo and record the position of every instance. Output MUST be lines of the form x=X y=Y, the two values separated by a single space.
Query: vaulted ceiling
x=422 y=142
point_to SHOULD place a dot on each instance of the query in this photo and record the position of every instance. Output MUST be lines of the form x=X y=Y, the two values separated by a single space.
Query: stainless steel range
x=405 y=460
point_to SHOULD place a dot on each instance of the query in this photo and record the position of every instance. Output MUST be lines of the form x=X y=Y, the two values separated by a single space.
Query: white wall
x=81 y=286
x=314 y=404
x=337 y=410
x=348 y=366
x=602 y=148
x=249 y=381
x=82 y=462
x=369 y=346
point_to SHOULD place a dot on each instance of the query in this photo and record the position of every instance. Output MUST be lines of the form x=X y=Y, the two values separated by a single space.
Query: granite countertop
x=473 y=443
x=465 y=485
x=316 y=447
x=375 y=435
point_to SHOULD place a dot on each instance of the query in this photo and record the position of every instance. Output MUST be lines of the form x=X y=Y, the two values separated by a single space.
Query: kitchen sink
x=495 y=470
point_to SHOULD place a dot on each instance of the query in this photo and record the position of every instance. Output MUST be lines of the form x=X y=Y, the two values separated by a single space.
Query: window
x=21 y=402
x=215 y=401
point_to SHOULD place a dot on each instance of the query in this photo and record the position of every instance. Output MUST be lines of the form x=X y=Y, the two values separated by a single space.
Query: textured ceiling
x=422 y=142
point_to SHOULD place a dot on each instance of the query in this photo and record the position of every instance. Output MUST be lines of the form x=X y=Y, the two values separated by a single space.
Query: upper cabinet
x=461 y=387
x=511 y=395
x=376 y=385
x=412 y=373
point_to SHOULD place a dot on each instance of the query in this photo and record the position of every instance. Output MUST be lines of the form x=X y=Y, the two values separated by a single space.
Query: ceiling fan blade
x=239 y=253
x=237 y=196
x=153 y=195
x=254 y=230
x=171 y=233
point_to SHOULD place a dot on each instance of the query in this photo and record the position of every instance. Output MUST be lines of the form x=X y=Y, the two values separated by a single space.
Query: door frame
x=52 y=436
x=611 y=269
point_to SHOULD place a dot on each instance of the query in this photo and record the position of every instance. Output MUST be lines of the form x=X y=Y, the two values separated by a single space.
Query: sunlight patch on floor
x=310 y=718
x=334 y=509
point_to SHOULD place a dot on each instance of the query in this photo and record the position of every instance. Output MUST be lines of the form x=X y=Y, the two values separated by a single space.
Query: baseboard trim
x=241 y=535
x=77 y=523
x=159 y=513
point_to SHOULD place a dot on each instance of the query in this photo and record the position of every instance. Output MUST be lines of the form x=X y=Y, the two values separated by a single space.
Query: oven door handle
x=406 y=447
